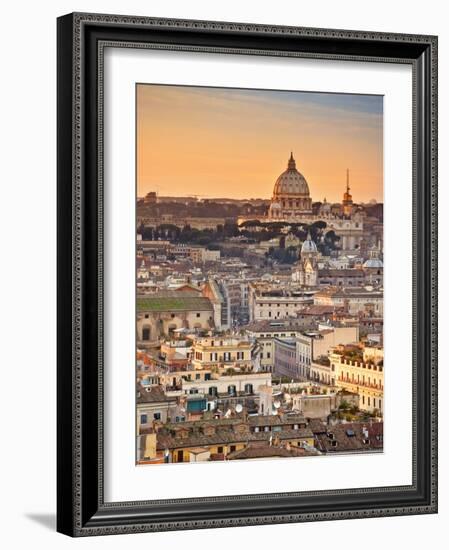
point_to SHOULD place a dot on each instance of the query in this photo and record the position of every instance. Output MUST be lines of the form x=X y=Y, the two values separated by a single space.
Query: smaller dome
x=374 y=263
x=308 y=246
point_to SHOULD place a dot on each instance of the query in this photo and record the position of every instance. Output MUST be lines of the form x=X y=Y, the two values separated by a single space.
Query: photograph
x=259 y=274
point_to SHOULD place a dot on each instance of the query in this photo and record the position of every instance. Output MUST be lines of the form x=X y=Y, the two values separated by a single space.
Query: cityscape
x=259 y=321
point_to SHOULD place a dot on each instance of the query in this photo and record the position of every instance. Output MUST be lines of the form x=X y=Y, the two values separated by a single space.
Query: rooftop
x=354 y=292
x=348 y=437
x=173 y=301
x=267 y=451
x=274 y=326
x=152 y=394
x=224 y=435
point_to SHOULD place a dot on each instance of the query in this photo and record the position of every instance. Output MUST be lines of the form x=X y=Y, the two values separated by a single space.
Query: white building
x=266 y=301
x=365 y=300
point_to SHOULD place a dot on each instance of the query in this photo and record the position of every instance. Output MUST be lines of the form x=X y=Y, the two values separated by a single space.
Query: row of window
x=360 y=379
x=377 y=404
x=285 y=304
x=296 y=204
x=282 y=335
x=227 y=356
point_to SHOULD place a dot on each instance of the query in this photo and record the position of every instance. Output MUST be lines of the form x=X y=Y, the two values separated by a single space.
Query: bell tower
x=347 y=197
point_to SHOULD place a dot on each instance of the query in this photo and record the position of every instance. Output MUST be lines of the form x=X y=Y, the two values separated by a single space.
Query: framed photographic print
x=247 y=291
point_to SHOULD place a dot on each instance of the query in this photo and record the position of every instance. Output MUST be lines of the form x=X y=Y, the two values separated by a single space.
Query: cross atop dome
x=291 y=162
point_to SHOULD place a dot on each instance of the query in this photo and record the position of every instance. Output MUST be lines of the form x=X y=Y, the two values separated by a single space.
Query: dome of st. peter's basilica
x=291 y=195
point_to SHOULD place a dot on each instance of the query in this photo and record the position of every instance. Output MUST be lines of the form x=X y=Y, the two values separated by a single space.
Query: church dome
x=291 y=182
x=373 y=263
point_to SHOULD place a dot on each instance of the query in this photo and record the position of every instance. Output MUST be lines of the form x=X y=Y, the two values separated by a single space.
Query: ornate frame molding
x=81 y=42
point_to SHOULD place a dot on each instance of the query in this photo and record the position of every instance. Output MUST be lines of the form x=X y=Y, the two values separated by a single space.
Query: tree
x=251 y=223
x=320 y=224
x=231 y=229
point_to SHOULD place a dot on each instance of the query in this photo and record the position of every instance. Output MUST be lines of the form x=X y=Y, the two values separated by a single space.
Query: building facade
x=362 y=374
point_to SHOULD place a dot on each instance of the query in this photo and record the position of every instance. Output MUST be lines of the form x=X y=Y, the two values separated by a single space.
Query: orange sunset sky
x=219 y=142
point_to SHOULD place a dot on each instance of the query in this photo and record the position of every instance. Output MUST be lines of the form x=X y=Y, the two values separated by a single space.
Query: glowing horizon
x=234 y=143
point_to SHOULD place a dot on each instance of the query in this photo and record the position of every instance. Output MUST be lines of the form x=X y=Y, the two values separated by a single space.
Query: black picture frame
x=81 y=510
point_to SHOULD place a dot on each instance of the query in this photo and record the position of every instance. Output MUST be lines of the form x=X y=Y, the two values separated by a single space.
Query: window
x=157 y=416
x=232 y=448
x=146 y=334
x=197 y=376
x=147 y=316
x=220 y=450
x=143 y=418
x=198 y=314
x=268 y=355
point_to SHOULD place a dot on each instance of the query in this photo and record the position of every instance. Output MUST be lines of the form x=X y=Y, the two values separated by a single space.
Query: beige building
x=146 y=446
x=321 y=371
x=317 y=343
x=361 y=373
x=161 y=313
x=222 y=353
x=293 y=357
